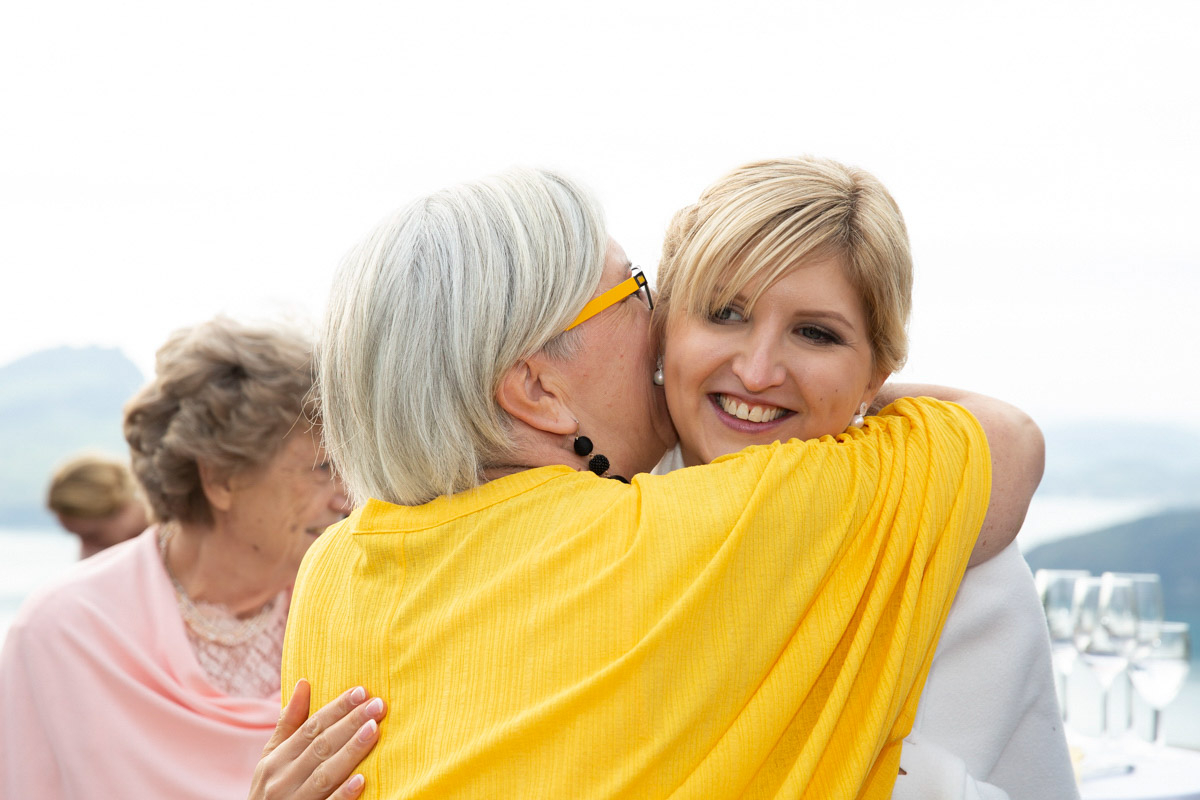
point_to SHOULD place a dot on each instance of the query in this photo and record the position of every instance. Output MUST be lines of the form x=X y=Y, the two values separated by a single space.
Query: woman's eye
x=726 y=314
x=819 y=335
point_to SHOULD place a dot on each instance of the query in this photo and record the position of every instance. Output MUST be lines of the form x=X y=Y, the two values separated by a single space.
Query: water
x=29 y=559
x=1052 y=518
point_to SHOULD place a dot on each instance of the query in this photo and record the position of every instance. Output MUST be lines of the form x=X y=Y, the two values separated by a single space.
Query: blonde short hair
x=766 y=218
x=91 y=486
x=224 y=393
x=429 y=312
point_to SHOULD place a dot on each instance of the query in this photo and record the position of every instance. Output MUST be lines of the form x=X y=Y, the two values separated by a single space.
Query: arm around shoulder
x=1018 y=455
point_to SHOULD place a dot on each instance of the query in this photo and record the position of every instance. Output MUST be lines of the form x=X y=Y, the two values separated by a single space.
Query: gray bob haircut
x=430 y=311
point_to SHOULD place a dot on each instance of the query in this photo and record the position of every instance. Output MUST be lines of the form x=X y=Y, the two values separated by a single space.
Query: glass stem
x=1160 y=735
x=1104 y=712
x=1062 y=693
x=1128 y=703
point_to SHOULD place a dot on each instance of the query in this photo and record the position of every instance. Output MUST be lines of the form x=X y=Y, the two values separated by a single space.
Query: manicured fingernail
x=375 y=707
x=367 y=732
x=357 y=695
x=355 y=784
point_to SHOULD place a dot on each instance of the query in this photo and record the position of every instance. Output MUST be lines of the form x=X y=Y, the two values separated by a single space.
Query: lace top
x=249 y=668
x=240 y=656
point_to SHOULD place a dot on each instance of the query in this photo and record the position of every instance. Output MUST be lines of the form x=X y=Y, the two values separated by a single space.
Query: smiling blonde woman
x=785 y=292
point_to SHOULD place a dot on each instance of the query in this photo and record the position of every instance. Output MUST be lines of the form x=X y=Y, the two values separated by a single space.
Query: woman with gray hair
x=153 y=669
x=756 y=626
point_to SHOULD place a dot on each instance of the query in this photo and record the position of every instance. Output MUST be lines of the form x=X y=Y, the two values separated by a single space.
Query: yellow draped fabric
x=758 y=627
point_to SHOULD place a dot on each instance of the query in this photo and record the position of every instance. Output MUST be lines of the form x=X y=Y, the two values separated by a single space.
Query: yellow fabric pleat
x=760 y=627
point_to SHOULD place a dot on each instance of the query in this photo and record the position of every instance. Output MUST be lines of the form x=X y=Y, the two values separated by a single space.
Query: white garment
x=987 y=726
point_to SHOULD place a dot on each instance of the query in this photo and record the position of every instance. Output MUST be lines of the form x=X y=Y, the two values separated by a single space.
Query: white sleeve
x=989 y=699
x=933 y=773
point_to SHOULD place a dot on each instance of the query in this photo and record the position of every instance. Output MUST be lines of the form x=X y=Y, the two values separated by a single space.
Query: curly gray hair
x=225 y=394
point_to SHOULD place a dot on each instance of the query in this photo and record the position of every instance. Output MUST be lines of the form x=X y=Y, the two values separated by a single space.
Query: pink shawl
x=101 y=697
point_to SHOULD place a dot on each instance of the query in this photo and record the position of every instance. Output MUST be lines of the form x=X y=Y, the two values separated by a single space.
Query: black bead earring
x=598 y=463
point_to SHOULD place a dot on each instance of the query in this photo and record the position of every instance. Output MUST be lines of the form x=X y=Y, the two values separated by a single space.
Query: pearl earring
x=858 y=420
x=659 y=378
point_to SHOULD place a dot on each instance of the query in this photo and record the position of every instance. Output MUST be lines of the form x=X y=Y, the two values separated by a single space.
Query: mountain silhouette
x=1166 y=543
x=53 y=404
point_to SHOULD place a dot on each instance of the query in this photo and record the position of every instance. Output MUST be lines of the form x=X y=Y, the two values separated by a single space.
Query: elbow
x=1018 y=451
x=1033 y=450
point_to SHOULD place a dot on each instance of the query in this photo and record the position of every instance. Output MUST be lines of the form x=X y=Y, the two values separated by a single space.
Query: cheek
x=842 y=383
x=683 y=370
x=678 y=391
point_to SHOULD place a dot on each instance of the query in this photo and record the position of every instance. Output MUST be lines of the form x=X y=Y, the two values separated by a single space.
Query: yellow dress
x=757 y=627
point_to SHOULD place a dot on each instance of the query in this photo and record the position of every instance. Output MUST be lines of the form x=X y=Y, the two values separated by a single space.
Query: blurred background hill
x=52 y=404
x=1166 y=543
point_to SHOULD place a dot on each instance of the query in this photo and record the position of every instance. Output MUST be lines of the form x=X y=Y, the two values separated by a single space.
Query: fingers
x=302 y=734
x=351 y=788
x=335 y=769
x=313 y=759
x=334 y=753
x=292 y=716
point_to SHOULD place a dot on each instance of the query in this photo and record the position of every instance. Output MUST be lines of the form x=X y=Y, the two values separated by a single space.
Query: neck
x=212 y=567
x=690 y=459
x=502 y=470
x=531 y=450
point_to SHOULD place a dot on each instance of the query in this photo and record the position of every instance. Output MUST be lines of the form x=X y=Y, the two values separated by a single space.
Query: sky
x=164 y=162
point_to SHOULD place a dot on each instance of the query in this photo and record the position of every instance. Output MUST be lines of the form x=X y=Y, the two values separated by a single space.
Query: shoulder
x=326 y=551
x=943 y=438
x=925 y=416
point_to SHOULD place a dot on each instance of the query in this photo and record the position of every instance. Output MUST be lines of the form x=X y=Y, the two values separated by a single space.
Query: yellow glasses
x=636 y=283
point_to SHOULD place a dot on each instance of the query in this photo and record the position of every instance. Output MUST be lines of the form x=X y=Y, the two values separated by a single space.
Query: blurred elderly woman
x=153 y=669
x=96 y=498
x=758 y=626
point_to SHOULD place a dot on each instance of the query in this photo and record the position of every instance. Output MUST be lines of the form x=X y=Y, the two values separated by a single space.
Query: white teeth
x=748 y=412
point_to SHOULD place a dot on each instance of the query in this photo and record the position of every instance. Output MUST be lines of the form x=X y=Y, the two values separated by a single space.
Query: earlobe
x=529 y=393
x=218 y=488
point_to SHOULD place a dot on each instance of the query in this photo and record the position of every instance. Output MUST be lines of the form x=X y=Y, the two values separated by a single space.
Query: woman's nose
x=759 y=365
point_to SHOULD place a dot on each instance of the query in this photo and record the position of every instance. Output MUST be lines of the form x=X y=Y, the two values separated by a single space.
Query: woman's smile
x=797 y=364
x=746 y=414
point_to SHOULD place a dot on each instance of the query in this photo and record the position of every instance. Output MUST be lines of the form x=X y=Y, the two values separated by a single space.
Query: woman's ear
x=531 y=391
x=218 y=487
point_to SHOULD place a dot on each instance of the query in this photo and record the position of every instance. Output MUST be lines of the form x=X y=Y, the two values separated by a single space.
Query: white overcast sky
x=163 y=162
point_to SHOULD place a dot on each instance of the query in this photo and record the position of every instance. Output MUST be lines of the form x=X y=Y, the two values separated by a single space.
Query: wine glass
x=1056 y=587
x=1105 y=630
x=1147 y=588
x=1159 y=668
